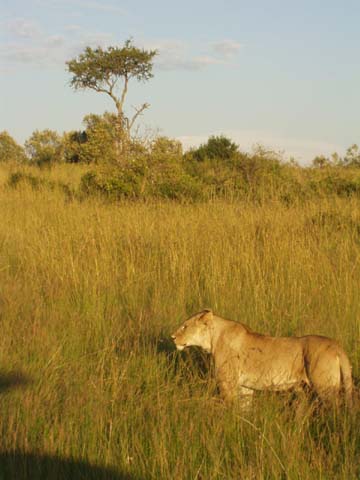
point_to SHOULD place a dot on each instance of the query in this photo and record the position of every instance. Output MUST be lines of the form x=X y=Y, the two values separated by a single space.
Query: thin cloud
x=195 y=63
x=226 y=48
x=23 y=28
x=72 y=28
x=204 y=61
x=55 y=49
x=96 y=39
x=171 y=54
x=49 y=50
x=174 y=55
x=15 y=54
x=36 y=55
x=83 y=4
x=103 y=7
x=55 y=41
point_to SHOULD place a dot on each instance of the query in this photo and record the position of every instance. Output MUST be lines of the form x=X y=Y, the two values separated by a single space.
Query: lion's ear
x=206 y=315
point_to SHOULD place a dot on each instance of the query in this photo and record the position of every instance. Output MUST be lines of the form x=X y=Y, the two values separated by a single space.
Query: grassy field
x=90 y=386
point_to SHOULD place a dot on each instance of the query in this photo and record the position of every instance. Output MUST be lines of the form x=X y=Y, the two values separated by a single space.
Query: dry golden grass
x=90 y=292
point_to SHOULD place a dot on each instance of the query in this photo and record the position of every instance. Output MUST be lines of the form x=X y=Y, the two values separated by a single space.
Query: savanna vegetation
x=125 y=162
x=91 y=290
x=106 y=247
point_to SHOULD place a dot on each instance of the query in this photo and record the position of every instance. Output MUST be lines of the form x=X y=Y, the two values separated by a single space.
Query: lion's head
x=194 y=332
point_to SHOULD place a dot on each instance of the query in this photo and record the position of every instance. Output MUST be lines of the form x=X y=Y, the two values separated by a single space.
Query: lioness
x=246 y=361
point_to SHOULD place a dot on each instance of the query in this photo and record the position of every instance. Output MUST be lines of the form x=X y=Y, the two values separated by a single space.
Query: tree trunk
x=122 y=140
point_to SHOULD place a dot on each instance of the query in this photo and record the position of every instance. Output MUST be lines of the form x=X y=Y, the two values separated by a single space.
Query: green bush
x=336 y=185
x=154 y=176
x=10 y=151
x=114 y=183
x=216 y=147
x=17 y=178
x=44 y=147
x=179 y=187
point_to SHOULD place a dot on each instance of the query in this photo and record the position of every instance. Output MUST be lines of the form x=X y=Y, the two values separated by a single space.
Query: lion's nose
x=173 y=337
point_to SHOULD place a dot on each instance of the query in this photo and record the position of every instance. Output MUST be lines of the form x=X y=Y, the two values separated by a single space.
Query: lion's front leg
x=245 y=397
x=227 y=390
x=227 y=381
x=230 y=390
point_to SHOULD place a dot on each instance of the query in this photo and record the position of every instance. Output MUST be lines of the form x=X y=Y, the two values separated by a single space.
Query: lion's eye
x=183 y=327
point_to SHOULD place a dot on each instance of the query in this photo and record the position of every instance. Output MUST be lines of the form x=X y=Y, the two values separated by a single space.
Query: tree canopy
x=44 y=147
x=9 y=149
x=217 y=147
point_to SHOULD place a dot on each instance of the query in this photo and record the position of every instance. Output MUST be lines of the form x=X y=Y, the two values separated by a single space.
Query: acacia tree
x=109 y=71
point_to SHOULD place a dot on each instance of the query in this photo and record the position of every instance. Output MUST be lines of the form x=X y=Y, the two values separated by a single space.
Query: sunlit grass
x=89 y=293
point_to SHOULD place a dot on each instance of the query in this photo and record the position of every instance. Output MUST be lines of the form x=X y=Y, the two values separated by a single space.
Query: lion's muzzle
x=179 y=346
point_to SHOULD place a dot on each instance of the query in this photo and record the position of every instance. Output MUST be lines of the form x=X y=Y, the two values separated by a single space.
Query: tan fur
x=246 y=361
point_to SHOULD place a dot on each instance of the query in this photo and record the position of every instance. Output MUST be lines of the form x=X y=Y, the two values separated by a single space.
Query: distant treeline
x=157 y=167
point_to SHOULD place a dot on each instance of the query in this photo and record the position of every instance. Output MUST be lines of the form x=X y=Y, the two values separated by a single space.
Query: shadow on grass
x=10 y=380
x=193 y=360
x=27 y=466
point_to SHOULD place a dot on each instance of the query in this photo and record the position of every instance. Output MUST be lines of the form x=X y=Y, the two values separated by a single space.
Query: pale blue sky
x=282 y=73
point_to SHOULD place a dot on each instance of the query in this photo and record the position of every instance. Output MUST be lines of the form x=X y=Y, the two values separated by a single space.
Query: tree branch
x=139 y=111
x=108 y=92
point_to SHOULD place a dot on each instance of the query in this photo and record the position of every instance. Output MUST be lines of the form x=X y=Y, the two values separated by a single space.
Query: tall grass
x=89 y=293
